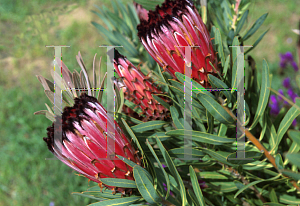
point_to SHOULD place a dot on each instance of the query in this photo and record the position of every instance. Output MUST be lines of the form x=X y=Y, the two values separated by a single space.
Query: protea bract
x=170 y=27
x=141 y=12
x=84 y=142
x=81 y=139
x=138 y=89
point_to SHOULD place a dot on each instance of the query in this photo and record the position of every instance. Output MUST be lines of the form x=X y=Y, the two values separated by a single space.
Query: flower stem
x=257 y=143
x=246 y=182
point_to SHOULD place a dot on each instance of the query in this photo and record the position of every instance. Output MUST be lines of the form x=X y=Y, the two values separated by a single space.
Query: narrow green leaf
x=133 y=16
x=125 y=16
x=47 y=114
x=196 y=87
x=222 y=130
x=175 y=116
x=295 y=136
x=212 y=175
x=117 y=98
x=273 y=196
x=225 y=187
x=100 y=93
x=255 y=26
x=173 y=171
x=257 y=41
x=264 y=94
x=196 y=187
x=287 y=199
x=247 y=110
x=152 y=135
x=124 y=201
x=287 y=121
x=162 y=169
x=219 y=84
x=103 y=17
x=218 y=155
x=294 y=158
x=236 y=61
x=273 y=204
x=271 y=134
x=133 y=136
x=128 y=118
x=89 y=196
x=132 y=164
x=279 y=162
x=293 y=149
x=218 y=41
x=252 y=155
x=126 y=44
x=106 y=34
x=118 y=182
x=202 y=137
x=151 y=125
x=162 y=102
x=116 y=10
x=226 y=12
x=226 y=66
x=215 y=109
x=149 y=5
x=145 y=187
x=219 y=22
x=241 y=22
x=254 y=183
x=179 y=153
x=257 y=165
x=133 y=106
x=50 y=96
x=122 y=98
x=47 y=84
x=96 y=191
x=192 y=198
x=210 y=122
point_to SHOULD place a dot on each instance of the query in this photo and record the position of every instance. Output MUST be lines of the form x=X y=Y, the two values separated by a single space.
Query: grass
x=26 y=177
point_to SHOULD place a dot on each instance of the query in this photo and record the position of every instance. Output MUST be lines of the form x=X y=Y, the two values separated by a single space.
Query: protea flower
x=138 y=89
x=175 y=24
x=84 y=128
x=84 y=142
x=141 y=12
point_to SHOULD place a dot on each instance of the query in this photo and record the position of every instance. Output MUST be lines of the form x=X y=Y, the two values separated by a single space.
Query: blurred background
x=26 y=177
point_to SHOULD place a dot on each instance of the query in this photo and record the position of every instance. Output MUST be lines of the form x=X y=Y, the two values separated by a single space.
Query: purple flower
x=292 y=94
x=165 y=187
x=51 y=204
x=295 y=66
x=202 y=184
x=286 y=82
x=289 y=56
x=282 y=64
x=163 y=165
x=279 y=98
x=283 y=60
x=294 y=123
x=273 y=99
x=274 y=105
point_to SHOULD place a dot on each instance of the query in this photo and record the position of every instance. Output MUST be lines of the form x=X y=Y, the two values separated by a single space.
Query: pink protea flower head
x=141 y=12
x=84 y=143
x=175 y=24
x=139 y=88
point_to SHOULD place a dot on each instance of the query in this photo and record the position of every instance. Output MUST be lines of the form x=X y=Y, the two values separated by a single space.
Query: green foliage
x=256 y=181
x=121 y=30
